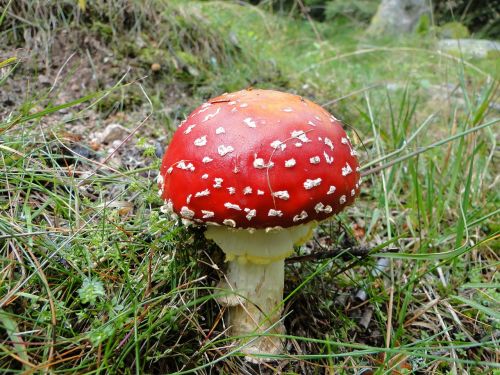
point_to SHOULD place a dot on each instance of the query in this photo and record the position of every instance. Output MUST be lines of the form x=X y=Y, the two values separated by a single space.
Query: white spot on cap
x=300 y=135
x=207 y=214
x=189 y=128
x=202 y=193
x=188 y=198
x=309 y=184
x=303 y=215
x=232 y=102
x=229 y=223
x=273 y=212
x=159 y=179
x=260 y=192
x=259 y=163
x=283 y=194
x=298 y=144
x=218 y=182
x=243 y=105
x=231 y=190
x=224 y=150
x=278 y=144
x=250 y=213
x=329 y=143
x=353 y=193
x=247 y=190
x=186 y=213
x=160 y=192
x=249 y=122
x=169 y=170
x=287 y=109
x=347 y=142
x=168 y=207
x=290 y=163
x=211 y=115
x=232 y=206
x=320 y=207
x=311 y=123
x=346 y=170
x=182 y=165
x=220 y=130
x=315 y=160
x=331 y=190
x=342 y=199
x=318 y=118
x=207 y=159
x=202 y=141
x=205 y=176
x=328 y=158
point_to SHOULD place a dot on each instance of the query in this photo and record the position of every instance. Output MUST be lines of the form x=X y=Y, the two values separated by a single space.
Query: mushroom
x=260 y=169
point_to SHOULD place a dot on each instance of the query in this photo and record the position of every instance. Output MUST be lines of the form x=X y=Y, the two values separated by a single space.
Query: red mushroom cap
x=259 y=159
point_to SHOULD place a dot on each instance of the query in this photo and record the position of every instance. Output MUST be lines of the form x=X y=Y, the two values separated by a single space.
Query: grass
x=95 y=279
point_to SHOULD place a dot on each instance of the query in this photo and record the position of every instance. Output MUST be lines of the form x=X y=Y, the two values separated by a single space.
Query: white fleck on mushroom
x=328 y=158
x=207 y=159
x=331 y=190
x=188 y=198
x=220 y=130
x=202 y=193
x=231 y=190
x=232 y=206
x=202 y=141
x=186 y=212
x=342 y=199
x=204 y=176
x=300 y=135
x=287 y=109
x=207 y=214
x=218 y=182
x=346 y=170
x=303 y=215
x=260 y=192
x=311 y=123
x=290 y=163
x=282 y=194
x=309 y=184
x=187 y=167
x=211 y=115
x=315 y=160
x=224 y=150
x=251 y=213
x=247 y=190
x=249 y=122
x=278 y=144
x=273 y=212
x=189 y=128
x=329 y=143
x=243 y=105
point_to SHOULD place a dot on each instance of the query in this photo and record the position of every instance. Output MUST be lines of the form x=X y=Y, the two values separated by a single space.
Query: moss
x=453 y=30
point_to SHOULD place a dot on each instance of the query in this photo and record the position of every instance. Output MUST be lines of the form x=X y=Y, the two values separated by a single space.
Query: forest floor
x=95 y=279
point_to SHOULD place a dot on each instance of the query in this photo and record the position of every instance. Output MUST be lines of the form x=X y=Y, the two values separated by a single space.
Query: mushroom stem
x=255 y=279
x=257 y=307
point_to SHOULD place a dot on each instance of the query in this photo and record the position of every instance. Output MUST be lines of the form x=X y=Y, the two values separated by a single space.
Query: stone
x=111 y=133
x=397 y=16
x=479 y=48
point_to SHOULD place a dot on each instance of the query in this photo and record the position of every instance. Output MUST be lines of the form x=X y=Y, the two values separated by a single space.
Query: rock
x=480 y=48
x=111 y=133
x=397 y=16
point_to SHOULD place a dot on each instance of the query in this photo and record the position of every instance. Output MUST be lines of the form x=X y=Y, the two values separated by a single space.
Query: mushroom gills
x=259 y=246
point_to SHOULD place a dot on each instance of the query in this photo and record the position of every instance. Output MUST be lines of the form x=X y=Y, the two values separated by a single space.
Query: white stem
x=261 y=289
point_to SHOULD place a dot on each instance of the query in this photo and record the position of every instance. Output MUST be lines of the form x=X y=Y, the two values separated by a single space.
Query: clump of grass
x=95 y=279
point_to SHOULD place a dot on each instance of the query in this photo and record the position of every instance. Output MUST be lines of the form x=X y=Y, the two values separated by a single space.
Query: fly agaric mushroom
x=259 y=168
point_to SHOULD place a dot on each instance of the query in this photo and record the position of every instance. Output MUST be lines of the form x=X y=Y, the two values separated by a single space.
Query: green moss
x=453 y=30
